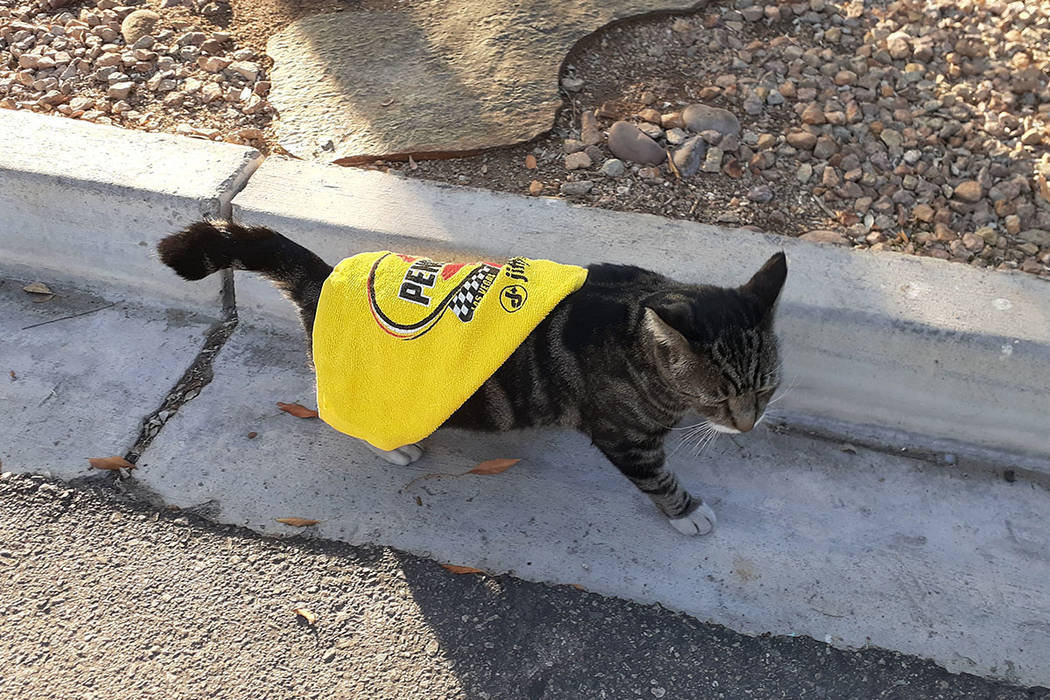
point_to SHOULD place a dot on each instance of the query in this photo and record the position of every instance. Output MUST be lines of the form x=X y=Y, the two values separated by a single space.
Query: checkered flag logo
x=471 y=291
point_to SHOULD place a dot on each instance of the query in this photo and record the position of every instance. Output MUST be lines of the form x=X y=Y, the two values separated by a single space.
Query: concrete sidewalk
x=942 y=557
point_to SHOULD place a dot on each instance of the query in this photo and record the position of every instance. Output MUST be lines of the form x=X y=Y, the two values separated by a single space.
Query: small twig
x=82 y=313
x=674 y=168
x=824 y=207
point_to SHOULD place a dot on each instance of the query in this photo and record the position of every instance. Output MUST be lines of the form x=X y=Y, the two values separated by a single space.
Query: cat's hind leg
x=401 y=456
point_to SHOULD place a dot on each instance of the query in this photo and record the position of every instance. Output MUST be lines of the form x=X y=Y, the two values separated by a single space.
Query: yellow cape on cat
x=400 y=343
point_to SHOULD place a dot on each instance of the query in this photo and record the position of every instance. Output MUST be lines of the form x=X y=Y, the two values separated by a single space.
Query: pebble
x=825 y=236
x=813 y=114
x=690 y=155
x=246 y=69
x=968 y=191
x=613 y=167
x=804 y=173
x=118 y=91
x=572 y=84
x=761 y=194
x=575 y=161
x=701 y=117
x=675 y=136
x=535 y=188
x=628 y=143
x=213 y=64
x=713 y=160
x=802 y=140
x=139 y=24
x=577 y=188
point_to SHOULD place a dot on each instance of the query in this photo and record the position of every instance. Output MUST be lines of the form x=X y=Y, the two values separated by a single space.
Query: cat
x=623 y=359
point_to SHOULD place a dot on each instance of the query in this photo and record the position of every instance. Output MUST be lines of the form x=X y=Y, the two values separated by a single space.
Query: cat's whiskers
x=791 y=387
x=694 y=430
x=705 y=441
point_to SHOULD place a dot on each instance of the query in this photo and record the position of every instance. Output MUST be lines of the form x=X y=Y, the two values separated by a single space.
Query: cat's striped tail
x=209 y=246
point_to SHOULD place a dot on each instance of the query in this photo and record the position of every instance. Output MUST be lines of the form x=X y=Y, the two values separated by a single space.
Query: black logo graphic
x=513 y=298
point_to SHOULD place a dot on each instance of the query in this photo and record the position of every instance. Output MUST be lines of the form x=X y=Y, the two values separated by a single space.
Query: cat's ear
x=767 y=282
x=664 y=321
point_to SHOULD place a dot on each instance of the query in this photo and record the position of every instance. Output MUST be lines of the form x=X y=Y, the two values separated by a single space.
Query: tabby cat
x=623 y=359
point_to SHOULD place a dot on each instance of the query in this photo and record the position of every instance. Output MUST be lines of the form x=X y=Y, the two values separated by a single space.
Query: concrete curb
x=898 y=350
x=87 y=202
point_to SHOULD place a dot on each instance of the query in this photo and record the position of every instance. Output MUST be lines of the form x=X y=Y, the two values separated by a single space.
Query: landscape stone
x=432 y=81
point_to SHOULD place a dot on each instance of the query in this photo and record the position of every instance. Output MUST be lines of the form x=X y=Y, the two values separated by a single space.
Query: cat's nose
x=744 y=424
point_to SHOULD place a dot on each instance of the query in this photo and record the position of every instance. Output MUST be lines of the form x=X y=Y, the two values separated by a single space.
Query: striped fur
x=623 y=359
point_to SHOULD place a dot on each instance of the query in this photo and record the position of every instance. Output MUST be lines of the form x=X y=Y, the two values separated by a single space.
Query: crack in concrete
x=198 y=375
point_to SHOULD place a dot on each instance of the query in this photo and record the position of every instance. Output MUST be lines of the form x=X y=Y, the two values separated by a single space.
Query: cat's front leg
x=642 y=461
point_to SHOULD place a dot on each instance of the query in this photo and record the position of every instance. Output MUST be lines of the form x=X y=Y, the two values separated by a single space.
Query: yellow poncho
x=400 y=343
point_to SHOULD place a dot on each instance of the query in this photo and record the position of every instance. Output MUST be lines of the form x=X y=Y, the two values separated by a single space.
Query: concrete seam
x=194 y=379
x=199 y=374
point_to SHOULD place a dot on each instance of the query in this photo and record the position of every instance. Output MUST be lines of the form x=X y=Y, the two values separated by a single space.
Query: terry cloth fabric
x=400 y=342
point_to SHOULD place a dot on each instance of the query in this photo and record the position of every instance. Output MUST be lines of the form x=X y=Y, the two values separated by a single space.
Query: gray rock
x=613 y=167
x=576 y=189
x=675 y=136
x=690 y=155
x=711 y=136
x=713 y=160
x=700 y=117
x=761 y=194
x=1037 y=236
x=628 y=143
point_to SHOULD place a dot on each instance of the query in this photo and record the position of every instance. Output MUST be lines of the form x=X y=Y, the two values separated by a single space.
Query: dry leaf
x=252 y=435
x=297 y=410
x=43 y=298
x=462 y=569
x=494 y=466
x=110 y=463
x=297 y=522
x=14 y=377
x=37 y=288
x=530 y=162
x=306 y=615
x=578 y=587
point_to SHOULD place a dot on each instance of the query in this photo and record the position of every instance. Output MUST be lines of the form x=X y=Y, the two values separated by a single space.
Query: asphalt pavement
x=104 y=596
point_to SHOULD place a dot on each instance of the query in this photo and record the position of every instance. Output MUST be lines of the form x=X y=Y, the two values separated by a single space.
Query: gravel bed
x=921 y=127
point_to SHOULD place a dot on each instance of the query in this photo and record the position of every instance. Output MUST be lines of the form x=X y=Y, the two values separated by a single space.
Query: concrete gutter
x=848 y=545
x=907 y=352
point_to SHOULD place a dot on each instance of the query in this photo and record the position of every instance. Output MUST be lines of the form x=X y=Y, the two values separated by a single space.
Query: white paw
x=402 y=456
x=700 y=522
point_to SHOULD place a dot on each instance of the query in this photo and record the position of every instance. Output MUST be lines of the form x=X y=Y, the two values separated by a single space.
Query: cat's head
x=716 y=346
